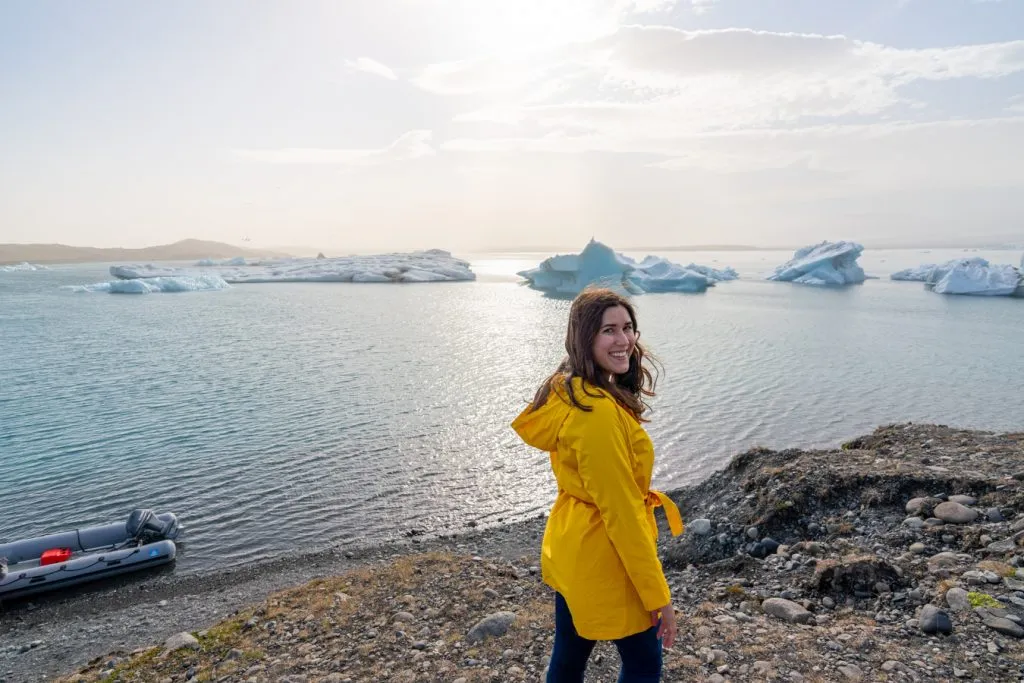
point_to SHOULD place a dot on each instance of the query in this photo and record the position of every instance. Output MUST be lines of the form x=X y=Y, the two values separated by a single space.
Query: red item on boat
x=55 y=556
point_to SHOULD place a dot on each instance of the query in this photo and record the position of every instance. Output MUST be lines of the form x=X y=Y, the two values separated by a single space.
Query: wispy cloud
x=717 y=101
x=370 y=66
x=660 y=80
x=414 y=144
x=702 y=6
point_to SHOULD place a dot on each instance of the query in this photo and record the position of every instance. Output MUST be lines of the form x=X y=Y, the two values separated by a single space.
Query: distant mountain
x=185 y=250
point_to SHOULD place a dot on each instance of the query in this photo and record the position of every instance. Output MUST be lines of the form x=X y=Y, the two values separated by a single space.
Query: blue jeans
x=640 y=653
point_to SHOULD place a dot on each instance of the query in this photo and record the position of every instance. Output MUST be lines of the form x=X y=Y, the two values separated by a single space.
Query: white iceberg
x=236 y=261
x=144 y=271
x=656 y=274
x=722 y=275
x=433 y=265
x=918 y=274
x=827 y=263
x=969 y=276
x=974 y=276
x=932 y=272
x=199 y=283
x=599 y=264
x=23 y=267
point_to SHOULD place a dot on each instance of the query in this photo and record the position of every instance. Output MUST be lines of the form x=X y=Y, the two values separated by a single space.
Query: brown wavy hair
x=630 y=389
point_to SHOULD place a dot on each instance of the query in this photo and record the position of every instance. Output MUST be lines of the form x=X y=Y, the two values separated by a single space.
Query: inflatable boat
x=69 y=558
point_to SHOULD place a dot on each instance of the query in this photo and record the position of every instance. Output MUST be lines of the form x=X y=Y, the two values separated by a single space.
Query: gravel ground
x=45 y=637
x=896 y=556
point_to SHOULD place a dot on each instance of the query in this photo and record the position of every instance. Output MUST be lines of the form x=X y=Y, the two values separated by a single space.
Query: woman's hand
x=665 y=619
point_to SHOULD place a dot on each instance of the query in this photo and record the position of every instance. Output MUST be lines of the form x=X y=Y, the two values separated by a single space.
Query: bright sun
x=510 y=27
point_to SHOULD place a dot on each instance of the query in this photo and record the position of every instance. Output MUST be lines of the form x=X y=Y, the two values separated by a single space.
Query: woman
x=600 y=547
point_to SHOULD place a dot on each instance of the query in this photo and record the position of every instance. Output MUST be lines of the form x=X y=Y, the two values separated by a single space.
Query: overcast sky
x=468 y=124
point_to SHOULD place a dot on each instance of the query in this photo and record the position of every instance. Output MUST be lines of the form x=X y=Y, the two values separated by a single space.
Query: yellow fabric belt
x=659 y=499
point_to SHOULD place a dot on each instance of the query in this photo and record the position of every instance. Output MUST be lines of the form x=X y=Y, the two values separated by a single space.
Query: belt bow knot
x=656 y=499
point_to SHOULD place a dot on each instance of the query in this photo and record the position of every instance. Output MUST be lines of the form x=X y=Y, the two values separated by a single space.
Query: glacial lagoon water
x=279 y=418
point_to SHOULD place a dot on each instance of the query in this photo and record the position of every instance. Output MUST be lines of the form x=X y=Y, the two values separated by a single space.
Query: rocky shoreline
x=896 y=556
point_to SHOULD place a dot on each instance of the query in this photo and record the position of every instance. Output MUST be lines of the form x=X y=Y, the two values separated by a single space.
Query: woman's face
x=615 y=341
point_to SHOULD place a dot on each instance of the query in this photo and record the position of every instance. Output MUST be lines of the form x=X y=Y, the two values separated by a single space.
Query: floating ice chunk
x=970 y=276
x=433 y=265
x=146 y=270
x=826 y=263
x=931 y=272
x=717 y=275
x=22 y=267
x=918 y=274
x=673 y=279
x=198 y=283
x=236 y=261
x=599 y=264
x=975 y=277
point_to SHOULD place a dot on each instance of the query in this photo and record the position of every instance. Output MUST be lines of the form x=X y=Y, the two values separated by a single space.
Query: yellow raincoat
x=599 y=548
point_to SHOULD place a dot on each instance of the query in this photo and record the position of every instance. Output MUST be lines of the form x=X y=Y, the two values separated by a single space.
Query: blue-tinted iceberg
x=932 y=272
x=199 y=283
x=145 y=271
x=22 y=267
x=918 y=274
x=827 y=263
x=717 y=275
x=433 y=265
x=598 y=264
x=969 y=276
x=236 y=261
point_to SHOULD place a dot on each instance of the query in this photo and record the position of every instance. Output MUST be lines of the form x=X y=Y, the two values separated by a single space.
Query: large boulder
x=955 y=513
x=787 y=610
x=493 y=626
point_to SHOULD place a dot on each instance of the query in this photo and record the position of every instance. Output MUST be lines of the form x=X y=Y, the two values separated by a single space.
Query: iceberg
x=655 y=274
x=969 y=276
x=599 y=264
x=932 y=272
x=148 y=270
x=200 y=283
x=918 y=274
x=432 y=265
x=974 y=276
x=237 y=261
x=716 y=275
x=993 y=280
x=826 y=263
x=22 y=267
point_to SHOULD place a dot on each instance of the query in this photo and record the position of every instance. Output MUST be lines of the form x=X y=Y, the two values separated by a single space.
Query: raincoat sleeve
x=599 y=440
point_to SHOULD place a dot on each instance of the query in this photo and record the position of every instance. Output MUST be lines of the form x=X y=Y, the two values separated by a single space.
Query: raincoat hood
x=539 y=428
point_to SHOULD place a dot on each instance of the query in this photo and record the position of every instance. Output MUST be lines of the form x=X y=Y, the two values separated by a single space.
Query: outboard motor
x=146 y=527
